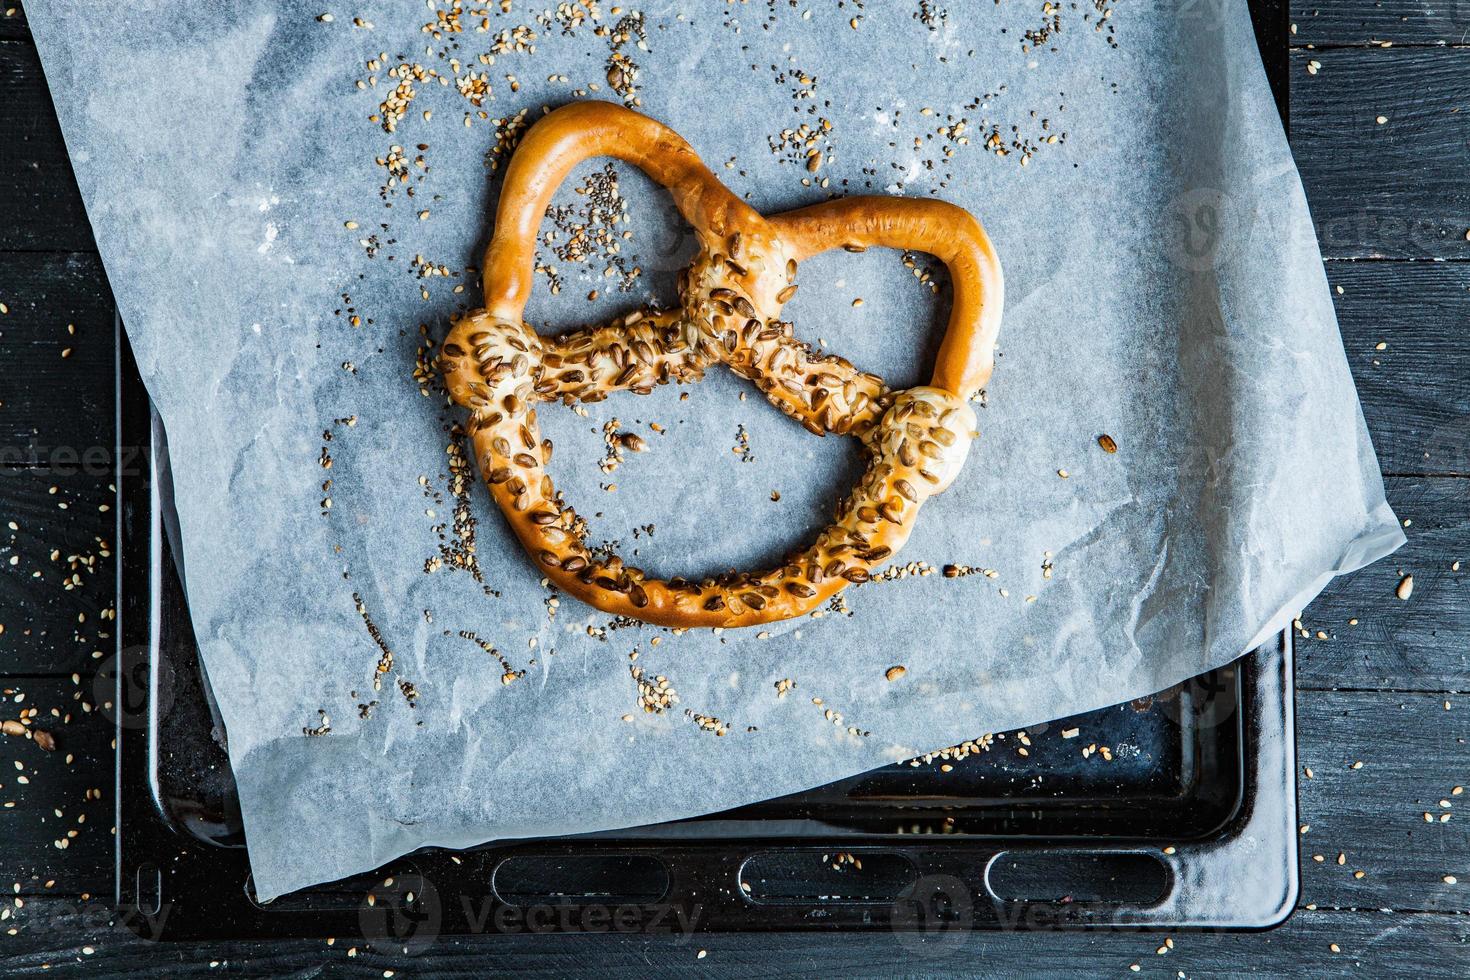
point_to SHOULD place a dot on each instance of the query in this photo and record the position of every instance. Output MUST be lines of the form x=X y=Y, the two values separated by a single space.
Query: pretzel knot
x=731 y=298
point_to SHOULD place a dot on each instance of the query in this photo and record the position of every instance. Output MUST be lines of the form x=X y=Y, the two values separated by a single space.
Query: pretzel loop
x=731 y=298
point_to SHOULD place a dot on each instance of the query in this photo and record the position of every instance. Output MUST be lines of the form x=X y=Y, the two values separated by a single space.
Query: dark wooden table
x=1380 y=108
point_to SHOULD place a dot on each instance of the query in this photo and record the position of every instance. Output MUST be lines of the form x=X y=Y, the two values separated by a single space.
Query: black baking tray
x=1190 y=825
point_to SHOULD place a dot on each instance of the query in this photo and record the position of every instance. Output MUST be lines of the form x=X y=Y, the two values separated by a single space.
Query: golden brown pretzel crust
x=732 y=295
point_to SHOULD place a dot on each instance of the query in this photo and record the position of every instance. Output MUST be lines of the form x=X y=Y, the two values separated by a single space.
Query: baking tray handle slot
x=603 y=879
x=1068 y=876
x=806 y=876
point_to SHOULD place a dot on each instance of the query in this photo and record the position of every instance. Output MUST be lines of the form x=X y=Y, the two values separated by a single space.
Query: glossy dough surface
x=731 y=299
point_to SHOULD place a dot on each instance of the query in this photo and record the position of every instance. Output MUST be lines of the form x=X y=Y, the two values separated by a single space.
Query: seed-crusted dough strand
x=731 y=299
x=636 y=353
x=557 y=143
x=945 y=231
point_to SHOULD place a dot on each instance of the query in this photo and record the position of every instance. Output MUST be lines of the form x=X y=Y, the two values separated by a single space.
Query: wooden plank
x=1411 y=749
x=1400 y=189
x=1413 y=754
x=1371 y=819
x=74 y=777
x=1422 y=644
x=66 y=937
x=1374 y=22
x=1416 y=391
x=57 y=575
x=58 y=406
x=39 y=199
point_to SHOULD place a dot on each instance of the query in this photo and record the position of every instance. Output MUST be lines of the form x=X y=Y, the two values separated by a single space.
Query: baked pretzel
x=731 y=297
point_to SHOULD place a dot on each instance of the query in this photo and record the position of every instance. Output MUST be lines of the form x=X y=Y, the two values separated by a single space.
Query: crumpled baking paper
x=1164 y=288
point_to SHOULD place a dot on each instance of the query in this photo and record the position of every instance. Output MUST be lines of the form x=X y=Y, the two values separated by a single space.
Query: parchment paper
x=1164 y=288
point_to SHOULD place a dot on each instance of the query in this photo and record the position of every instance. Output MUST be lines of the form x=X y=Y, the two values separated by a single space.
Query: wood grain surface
x=1384 y=683
x=39 y=202
x=1399 y=189
x=1375 y=23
